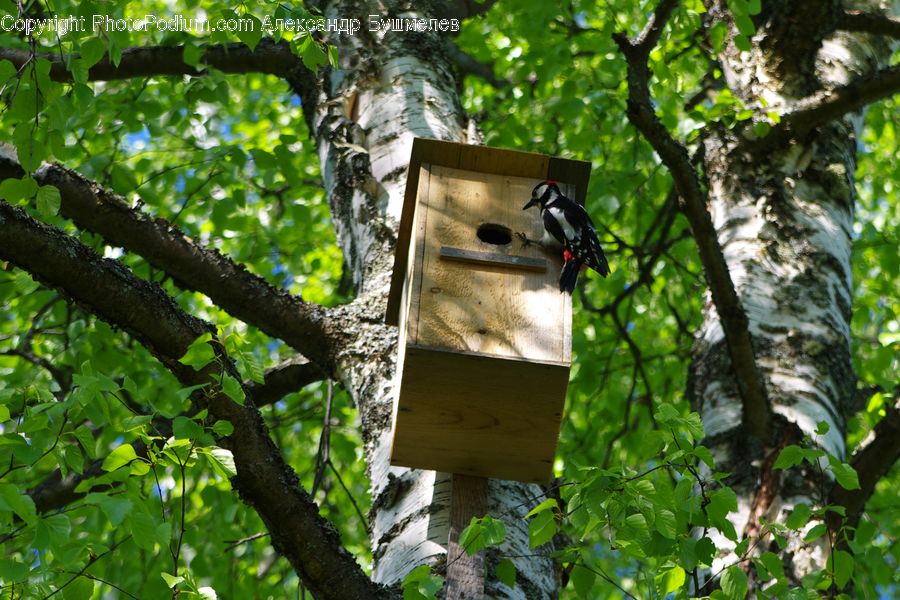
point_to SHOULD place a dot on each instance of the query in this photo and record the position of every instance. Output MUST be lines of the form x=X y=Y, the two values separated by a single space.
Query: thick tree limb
x=264 y=481
x=307 y=327
x=872 y=461
x=270 y=57
x=866 y=22
x=824 y=106
x=755 y=402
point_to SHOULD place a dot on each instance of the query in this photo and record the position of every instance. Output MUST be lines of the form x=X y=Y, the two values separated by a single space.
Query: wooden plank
x=469 y=414
x=465 y=573
x=525 y=263
x=499 y=161
x=487 y=308
x=424 y=151
x=414 y=275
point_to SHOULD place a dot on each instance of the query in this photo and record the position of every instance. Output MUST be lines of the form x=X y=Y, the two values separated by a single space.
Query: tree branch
x=754 y=399
x=264 y=481
x=287 y=377
x=866 y=22
x=56 y=491
x=270 y=57
x=469 y=65
x=872 y=462
x=307 y=327
x=824 y=106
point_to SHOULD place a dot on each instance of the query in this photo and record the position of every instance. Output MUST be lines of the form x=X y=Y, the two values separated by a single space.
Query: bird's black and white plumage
x=568 y=223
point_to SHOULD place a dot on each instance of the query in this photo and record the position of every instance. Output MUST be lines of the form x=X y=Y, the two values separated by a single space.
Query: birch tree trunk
x=393 y=86
x=784 y=218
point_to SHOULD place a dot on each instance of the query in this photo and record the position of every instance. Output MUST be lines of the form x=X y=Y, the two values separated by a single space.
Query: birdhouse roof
x=481 y=159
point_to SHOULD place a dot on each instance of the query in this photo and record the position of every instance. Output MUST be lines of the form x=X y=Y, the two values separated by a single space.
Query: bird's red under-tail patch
x=567 y=256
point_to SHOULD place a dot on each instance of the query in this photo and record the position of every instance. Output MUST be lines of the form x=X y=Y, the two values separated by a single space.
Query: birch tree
x=197 y=229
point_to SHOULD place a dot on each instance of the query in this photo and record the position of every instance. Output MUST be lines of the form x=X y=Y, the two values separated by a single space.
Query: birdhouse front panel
x=481 y=290
x=485 y=333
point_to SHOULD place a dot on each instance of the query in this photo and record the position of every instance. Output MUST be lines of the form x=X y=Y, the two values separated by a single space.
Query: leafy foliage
x=229 y=161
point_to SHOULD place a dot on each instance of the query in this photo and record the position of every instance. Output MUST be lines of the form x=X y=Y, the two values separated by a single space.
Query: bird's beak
x=531 y=203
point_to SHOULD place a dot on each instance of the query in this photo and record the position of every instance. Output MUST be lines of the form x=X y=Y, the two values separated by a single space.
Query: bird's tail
x=569 y=276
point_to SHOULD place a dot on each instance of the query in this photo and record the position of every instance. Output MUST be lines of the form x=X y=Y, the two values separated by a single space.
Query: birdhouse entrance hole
x=492 y=233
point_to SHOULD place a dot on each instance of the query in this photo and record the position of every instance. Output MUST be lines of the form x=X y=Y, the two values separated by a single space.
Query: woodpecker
x=569 y=224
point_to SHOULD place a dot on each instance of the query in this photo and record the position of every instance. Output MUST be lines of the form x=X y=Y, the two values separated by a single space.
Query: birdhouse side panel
x=499 y=303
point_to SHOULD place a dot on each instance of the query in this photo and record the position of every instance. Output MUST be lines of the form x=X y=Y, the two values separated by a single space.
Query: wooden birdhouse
x=485 y=333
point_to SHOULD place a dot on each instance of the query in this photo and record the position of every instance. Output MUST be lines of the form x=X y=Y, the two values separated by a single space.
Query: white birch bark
x=785 y=223
x=391 y=87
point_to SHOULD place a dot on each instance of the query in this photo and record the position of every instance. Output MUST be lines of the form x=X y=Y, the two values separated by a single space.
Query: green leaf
x=506 y=573
x=815 y=533
x=666 y=413
x=694 y=426
x=745 y=25
x=822 y=428
x=254 y=366
x=48 y=200
x=119 y=457
x=11 y=498
x=14 y=190
x=761 y=129
x=222 y=428
x=253 y=34
x=420 y=584
x=193 y=54
x=233 y=389
x=665 y=523
x=799 y=516
x=734 y=583
x=637 y=524
x=12 y=570
x=171 y=580
x=7 y=71
x=545 y=505
x=773 y=564
x=842 y=567
x=791 y=456
x=703 y=453
x=742 y=43
x=143 y=529
x=115 y=508
x=81 y=588
x=199 y=353
x=844 y=474
x=583 y=581
x=670 y=580
x=541 y=529
x=333 y=56
x=222 y=461
x=30 y=145
x=184 y=428
x=4 y=413
x=472 y=537
x=313 y=56
x=91 y=51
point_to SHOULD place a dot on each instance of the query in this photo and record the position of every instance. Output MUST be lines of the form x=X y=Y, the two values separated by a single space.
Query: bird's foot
x=526 y=241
